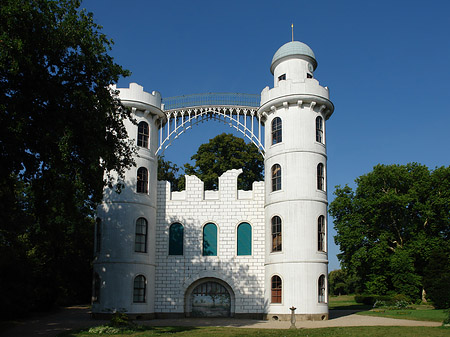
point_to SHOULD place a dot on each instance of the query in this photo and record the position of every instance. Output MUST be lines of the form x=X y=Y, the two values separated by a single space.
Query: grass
x=419 y=313
x=235 y=332
x=346 y=302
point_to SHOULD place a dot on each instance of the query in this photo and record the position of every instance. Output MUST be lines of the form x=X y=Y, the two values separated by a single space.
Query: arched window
x=176 y=237
x=142 y=180
x=319 y=129
x=276 y=234
x=276 y=131
x=321 y=233
x=142 y=139
x=321 y=287
x=98 y=235
x=320 y=178
x=140 y=244
x=139 y=289
x=244 y=239
x=210 y=240
x=96 y=293
x=276 y=177
x=276 y=289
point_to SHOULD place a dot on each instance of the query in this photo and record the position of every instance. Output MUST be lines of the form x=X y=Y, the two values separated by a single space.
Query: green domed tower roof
x=293 y=49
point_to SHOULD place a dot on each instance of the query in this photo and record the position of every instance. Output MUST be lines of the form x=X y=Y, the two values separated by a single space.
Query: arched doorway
x=209 y=298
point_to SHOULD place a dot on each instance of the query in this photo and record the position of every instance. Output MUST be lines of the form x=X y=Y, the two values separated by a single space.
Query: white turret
x=124 y=265
x=296 y=191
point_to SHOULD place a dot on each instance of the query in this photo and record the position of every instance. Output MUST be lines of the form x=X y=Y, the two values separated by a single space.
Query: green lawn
x=346 y=302
x=419 y=313
x=235 y=332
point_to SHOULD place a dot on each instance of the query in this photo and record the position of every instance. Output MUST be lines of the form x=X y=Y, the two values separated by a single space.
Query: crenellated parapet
x=227 y=191
x=136 y=98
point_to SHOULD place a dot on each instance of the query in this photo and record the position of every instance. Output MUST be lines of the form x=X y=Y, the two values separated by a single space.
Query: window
x=276 y=234
x=210 y=240
x=320 y=178
x=308 y=75
x=321 y=288
x=176 y=237
x=139 y=289
x=97 y=284
x=276 y=130
x=321 y=233
x=276 y=177
x=282 y=77
x=142 y=180
x=244 y=239
x=98 y=235
x=276 y=289
x=142 y=139
x=319 y=129
x=140 y=244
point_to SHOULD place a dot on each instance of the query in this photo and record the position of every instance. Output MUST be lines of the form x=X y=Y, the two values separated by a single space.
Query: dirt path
x=78 y=317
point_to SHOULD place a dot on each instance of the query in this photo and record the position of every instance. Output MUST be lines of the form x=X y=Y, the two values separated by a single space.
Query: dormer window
x=281 y=77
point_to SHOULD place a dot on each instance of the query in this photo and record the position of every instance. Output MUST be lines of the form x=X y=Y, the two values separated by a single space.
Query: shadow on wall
x=179 y=277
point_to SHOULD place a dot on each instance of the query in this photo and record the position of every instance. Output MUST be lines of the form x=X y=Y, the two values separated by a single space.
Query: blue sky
x=386 y=64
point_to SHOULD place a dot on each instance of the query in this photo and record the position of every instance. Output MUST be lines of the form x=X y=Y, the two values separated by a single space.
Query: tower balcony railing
x=211 y=99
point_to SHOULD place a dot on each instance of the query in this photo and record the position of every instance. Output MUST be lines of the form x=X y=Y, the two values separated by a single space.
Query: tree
x=61 y=138
x=337 y=282
x=167 y=171
x=225 y=152
x=340 y=283
x=389 y=226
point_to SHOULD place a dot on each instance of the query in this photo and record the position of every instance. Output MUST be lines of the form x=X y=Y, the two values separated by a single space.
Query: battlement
x=135 y=97
x=227 y=189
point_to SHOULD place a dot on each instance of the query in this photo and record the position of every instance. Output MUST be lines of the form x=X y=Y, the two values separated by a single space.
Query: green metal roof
x=293 y=48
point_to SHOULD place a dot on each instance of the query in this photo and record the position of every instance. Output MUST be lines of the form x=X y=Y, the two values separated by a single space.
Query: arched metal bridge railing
x=211 y=99
x=239 y=111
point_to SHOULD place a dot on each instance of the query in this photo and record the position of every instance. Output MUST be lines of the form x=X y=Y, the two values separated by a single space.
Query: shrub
x=371 y=299
x=119 y=319
x=379 y=304
x=447 y=319
x=401 y=297
x=437 y=278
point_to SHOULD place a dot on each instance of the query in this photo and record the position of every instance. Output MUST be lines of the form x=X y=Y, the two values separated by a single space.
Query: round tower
x=124 y=264
x=296 y=191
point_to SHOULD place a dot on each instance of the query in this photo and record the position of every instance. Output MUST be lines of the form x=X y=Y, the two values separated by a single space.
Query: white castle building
x=252 y=254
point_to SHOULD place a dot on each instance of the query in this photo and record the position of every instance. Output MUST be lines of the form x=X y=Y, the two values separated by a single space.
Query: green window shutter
x=244 y=239
x=210 y=240
x=176 y=233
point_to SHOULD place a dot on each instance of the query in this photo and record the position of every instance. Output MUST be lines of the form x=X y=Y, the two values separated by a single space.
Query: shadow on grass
x=155 y=330
x=346 y=310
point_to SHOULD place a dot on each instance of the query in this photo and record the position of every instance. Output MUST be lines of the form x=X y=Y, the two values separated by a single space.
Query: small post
x=292 y=318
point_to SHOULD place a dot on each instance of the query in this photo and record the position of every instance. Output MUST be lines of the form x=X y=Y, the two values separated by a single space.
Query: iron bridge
x=239 y=111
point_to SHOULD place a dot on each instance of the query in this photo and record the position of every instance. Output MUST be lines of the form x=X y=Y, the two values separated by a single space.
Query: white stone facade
x=285 y=217
x=227 y=208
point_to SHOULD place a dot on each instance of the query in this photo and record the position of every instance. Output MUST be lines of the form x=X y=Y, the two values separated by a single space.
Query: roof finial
x=292 y=27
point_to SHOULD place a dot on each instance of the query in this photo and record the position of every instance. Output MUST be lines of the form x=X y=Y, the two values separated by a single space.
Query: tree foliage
x=388 y=227
x=225 y=152
x=168 y=171
x=61 y=137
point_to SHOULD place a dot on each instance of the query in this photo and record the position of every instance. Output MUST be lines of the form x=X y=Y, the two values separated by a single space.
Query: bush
x=379 y=304
x=119 y=319
x=437 y=278
x=447 y=319
x=371 y=299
